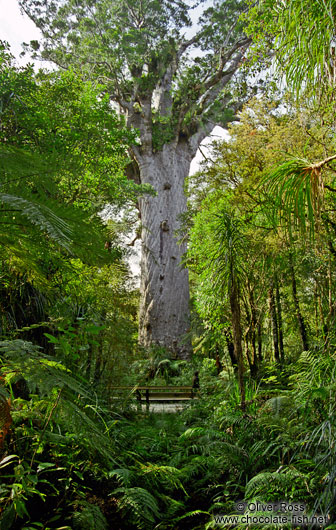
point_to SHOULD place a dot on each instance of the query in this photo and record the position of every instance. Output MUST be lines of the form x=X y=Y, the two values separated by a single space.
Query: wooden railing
x=158 y=394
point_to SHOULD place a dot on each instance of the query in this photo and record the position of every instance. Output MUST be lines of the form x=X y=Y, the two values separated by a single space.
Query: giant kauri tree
x=172 y=85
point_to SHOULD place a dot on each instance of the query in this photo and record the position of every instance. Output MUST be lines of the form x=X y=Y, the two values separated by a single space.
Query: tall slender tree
x=172 y=88
x=218 y=249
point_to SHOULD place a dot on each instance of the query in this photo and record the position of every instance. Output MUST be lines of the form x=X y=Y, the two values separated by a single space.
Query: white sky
x=16 y=28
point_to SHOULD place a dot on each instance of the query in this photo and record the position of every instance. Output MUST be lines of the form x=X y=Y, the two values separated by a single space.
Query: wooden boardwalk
x=157 y=398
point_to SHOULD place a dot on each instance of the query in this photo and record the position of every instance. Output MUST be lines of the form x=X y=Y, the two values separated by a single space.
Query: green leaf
x=7 y=518
x=44 y=465
x=52 y=339
x=8 y=460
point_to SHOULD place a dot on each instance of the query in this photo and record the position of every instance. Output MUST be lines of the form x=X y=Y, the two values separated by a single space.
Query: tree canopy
x=140 y=50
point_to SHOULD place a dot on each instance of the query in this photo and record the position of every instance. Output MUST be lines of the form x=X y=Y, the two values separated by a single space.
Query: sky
x=16 y=28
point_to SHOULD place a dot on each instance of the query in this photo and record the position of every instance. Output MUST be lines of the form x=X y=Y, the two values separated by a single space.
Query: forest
x=236 y=304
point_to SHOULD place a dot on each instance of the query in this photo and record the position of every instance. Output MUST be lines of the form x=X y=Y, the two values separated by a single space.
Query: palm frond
x=298 y=188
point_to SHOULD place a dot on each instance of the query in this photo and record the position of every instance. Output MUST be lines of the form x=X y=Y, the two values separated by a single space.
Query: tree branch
x=166 y=82
x=202 y=132
x=319 y=165
x=225 y=58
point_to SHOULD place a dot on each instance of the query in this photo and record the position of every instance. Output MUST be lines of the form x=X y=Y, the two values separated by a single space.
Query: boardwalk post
x=147 y=399
x=138 y=398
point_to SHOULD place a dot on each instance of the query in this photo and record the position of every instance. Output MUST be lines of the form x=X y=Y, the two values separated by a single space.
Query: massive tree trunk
x=164 y=290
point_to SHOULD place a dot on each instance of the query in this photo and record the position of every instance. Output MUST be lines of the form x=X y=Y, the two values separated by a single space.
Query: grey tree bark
x=164 y=289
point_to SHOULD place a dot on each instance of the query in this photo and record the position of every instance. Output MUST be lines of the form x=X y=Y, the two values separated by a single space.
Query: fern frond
x=278 y=404
x=42 y=372
x=162 y=475
x=192 y=432
x=197 y=465
x=140 y=506
x=123 y=475
x=42 y=217
x=89 y=517
x=268 y=481
x=172 y=506
x=187 y=515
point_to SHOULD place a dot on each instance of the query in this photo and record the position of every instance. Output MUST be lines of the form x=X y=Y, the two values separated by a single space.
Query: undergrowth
x=72 y=460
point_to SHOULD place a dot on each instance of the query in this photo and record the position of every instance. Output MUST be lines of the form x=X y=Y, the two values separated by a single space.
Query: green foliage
x=238 y=180
x=139 y=506
x=63 y=423
x=299 y=30
x=163 y=131
x=50 y=378
x=152 y=60
x=276 y=483
x=74 y=138
x=89 y=518
x=171 y=471
x=298 y=189
x=61 y=139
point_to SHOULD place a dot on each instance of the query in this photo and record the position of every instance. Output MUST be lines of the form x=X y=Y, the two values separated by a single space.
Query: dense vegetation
x=261 y=225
